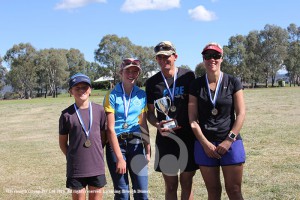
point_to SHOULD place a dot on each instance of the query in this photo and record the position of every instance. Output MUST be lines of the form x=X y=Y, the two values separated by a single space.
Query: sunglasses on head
x=163 y=47
x=215 y=56
x=129 y=62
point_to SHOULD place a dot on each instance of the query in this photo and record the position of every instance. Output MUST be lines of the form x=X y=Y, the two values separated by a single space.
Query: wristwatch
x=232 y=136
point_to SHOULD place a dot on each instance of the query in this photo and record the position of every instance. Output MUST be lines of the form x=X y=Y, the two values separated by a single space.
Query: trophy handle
x=156 y=106
x=169 y=101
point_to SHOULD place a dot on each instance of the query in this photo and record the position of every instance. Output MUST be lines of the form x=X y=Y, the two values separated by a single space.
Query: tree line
x=254 y=58
x=257 y=57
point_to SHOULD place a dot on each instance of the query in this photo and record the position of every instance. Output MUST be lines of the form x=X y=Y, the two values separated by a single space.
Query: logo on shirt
x=137 y=102
x=177 y=92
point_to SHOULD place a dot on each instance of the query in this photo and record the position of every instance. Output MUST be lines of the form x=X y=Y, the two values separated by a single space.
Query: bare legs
x=232 y=177
x=186 y=183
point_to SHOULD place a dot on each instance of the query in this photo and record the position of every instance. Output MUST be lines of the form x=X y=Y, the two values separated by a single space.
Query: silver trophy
x=163 y=105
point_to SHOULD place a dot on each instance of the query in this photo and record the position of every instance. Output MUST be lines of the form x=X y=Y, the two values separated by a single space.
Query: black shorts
x=175 y=154
x=82 y=182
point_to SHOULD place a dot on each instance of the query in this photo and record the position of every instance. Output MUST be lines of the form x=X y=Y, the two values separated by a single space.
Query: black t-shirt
x=156 y=88
x=82 y=161
x=216 y=128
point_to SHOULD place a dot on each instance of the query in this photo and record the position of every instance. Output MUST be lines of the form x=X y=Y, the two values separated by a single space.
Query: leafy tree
x=148 y=63
x=234 y=57
x=185 y=67
x=274 y=42
x=22 y=74
x=292 y=62
x=53 y=62
x=252 y=58
x=111 y=52
x=95 y=71
x=200 y=70
x=76 y=61
x=3 y=71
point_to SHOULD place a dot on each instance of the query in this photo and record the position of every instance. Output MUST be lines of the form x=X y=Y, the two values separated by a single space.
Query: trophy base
x=171 y=124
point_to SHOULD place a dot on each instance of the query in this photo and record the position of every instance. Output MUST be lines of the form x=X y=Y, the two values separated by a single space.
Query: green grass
x=33 y=167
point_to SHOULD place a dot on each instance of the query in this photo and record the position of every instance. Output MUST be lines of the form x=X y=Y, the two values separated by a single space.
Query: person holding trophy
x=128 y=151
x=167 y=94
x=217 y=113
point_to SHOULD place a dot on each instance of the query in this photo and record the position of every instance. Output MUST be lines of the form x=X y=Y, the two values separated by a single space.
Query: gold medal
x=214 y=111
x=87 y=143
x=173 y=108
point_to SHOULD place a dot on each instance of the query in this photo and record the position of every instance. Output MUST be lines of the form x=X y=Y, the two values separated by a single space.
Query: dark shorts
x=79 y=183
x=174 y=154
x=235 y=155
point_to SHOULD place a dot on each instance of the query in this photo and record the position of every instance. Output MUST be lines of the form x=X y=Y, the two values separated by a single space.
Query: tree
x=148 y=63
x=252 y=58
x=292 y=62
x=234 y=57
x=111 y=52
x=76 y=61
x=53 y=62
x=3 y=71
x=185 y=67
x=95 y=71
x=22 y=74
x=274 y=42
x=200 y=70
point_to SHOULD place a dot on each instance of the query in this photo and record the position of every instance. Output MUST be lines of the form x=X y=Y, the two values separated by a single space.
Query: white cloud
x=139 y=5
x=201 y=14
x=71 y=4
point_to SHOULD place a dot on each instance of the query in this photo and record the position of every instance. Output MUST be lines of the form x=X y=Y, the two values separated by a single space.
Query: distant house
x=282 y=77
x=149 y=74
x=104 y=78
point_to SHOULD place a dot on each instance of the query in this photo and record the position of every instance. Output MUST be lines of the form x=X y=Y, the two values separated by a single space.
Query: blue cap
x=79 y=78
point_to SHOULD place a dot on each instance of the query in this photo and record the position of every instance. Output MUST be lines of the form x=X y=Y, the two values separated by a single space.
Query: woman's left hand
x=223 y=147
x=148 y=157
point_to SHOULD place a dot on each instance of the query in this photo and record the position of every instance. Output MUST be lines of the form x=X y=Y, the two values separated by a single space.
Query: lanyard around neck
x=174 y=83
x=87 y=132
x=126 y=104
x=213 y=100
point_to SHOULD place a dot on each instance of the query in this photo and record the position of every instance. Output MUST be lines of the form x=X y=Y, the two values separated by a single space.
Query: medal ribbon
x=87 y=132
x=174 y=83
x=213 y=101
x=126 y=106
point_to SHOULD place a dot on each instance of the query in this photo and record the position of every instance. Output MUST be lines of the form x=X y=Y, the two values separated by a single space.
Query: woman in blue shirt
x=128 y=151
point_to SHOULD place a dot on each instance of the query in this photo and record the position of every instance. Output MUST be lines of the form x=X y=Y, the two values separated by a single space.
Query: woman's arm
x=240 y=110
x=208 y=147
x=145 y=134
x=114 y=143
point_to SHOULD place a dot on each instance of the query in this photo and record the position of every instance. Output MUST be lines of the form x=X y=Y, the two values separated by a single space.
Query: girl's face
x=130 y=74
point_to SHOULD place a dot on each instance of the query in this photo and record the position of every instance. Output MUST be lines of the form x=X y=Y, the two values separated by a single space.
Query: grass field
x=33 y=167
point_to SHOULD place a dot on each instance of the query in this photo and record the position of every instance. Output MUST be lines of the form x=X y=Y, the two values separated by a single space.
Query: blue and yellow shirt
x=113 y=102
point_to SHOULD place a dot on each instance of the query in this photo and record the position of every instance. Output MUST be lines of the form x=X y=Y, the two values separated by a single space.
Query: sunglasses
x=163 y=47
x=215 y=56
x=133 y=62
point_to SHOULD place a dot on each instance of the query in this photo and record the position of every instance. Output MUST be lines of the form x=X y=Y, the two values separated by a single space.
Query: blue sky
x=189 y=24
